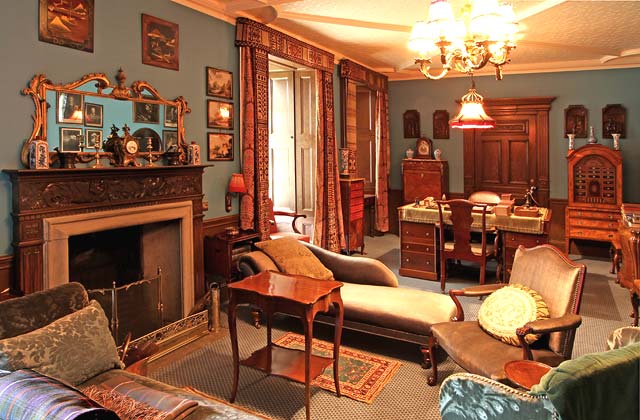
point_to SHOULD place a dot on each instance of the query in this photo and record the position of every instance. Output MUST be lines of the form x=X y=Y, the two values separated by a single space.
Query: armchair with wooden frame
x=462 y=247
x=558 y=280
x=275 y=233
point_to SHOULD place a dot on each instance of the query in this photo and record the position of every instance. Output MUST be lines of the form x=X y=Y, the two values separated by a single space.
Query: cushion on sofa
x=292 y=257
x=595 y=386
x=28 y=395
x=117 y=392
x=509 y=308
x=72 y=349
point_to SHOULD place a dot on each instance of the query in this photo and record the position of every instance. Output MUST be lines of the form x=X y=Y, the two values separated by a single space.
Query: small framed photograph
x=219 y=114
x=219 y=83
x=170 y=116
x=70 y=139
x=575 y=121
x=146 y=112
x=220 y=146
x=169 y=138
x=92 y=115
x=69 y=24
x=441 y=124
x=92 y=136
x=160 y=43
x=69 y=108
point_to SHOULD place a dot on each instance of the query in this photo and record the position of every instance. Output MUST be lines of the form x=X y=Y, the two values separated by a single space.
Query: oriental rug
x=362 y=375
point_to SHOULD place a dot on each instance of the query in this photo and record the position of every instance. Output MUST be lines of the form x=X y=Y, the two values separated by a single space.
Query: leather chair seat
x=409 y=310
x=469 y=346
x=476 y=248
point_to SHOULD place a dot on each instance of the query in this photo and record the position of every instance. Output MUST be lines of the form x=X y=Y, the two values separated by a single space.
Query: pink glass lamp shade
x=472 y=114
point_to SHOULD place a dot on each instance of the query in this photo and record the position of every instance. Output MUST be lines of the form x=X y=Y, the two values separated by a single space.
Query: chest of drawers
x=352 y=195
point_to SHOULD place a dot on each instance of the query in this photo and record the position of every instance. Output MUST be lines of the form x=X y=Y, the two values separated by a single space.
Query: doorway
x=292 y=140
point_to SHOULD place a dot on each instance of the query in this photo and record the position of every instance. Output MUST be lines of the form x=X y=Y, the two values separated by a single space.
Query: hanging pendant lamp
x=472 y=114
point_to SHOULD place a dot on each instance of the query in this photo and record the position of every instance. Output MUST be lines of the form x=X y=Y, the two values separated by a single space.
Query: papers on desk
x=478 y=209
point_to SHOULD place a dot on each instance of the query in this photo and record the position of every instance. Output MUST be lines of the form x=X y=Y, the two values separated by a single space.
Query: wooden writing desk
x=300 y=296
x=419 y=244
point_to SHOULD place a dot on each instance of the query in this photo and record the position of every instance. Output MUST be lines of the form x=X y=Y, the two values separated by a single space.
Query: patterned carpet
x=605 y=307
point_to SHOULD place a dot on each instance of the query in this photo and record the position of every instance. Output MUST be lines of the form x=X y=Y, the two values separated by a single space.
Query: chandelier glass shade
x=485 y=33
x=472 y=114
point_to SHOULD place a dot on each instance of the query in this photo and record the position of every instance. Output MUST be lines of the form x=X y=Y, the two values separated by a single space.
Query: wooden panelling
x=6 y=271
x=212 y=226
x=556 y=232
x=395 y=201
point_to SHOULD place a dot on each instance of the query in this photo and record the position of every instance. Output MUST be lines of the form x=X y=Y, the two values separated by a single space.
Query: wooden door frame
x=537 y=107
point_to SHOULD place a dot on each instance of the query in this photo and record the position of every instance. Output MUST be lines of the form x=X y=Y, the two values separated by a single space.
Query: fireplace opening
x=134 y=272
x=98 y=259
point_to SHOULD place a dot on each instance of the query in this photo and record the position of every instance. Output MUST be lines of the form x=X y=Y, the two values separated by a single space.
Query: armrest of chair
x=473 y=291
x=357 y=270
x=292 y=214
x=474 y=397
x=545 y=326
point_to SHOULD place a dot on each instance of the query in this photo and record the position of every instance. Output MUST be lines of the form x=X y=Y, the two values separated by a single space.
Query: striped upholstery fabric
x=27 y=395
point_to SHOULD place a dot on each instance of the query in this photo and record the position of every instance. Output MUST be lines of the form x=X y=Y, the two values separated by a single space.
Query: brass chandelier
x=484 y=34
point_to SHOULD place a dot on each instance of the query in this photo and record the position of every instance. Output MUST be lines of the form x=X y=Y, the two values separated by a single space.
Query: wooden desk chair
x=275 y=233
x=462 y=247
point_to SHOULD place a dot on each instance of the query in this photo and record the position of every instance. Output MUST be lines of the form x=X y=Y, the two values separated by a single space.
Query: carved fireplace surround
x=46 y=201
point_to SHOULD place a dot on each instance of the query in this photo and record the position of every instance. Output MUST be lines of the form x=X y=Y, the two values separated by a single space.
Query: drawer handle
x=537 y=241
x=610 y=236
x=579 y=213
x=610 y=217
x=427 y=249
x=610 y=225
x=406 y=260
x=427 y=234
x=428 y=262
x=406 y=247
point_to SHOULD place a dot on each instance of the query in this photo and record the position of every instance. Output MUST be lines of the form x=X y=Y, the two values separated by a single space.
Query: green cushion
x=510 y=308
x=292 y=257
x=72 y=349
x=595 y=386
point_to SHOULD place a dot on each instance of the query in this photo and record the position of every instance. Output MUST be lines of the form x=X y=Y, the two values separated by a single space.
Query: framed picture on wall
x=69 y=108
x=219 y=114
x=146 y=112
x=67 y=23
x=614 y=121
x=441 y=124
x=219 y=83
x=70 y=139
x=92 y=137
x=92 y=114
x=170 y=116
x=160 y=43
x=575 y=121
x=169 y=138
x=411 y=124
x=220 y=146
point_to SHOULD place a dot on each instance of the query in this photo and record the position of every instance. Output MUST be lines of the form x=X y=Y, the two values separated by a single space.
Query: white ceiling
x=558 y=35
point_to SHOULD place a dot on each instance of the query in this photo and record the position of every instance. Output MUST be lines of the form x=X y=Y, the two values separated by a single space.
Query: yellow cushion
x=509 y=308
x=292 y=257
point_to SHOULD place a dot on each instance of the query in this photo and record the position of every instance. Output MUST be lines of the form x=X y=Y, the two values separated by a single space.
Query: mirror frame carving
x=139 y=91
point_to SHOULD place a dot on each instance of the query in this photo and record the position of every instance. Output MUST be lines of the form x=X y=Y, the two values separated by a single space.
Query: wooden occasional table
x=294 y=295
x=525 y=373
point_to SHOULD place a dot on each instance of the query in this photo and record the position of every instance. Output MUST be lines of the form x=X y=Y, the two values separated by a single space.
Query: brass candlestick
x=96 y=146
x=149 y=148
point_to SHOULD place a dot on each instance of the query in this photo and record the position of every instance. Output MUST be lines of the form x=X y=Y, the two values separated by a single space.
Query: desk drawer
x=593 y=223
x=591 y=214
x=424 y=233
x=592 y=234
x=422 y=248
x=513 y=240
x=418 y=261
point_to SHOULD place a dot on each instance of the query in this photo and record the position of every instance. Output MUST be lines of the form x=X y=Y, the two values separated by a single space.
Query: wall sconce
x=236 y=185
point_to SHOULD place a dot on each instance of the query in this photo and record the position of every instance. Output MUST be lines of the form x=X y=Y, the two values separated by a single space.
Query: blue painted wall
x=204 y=41
x=593 y=89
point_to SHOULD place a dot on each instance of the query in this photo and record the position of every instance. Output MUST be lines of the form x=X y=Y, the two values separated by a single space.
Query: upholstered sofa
x=373 y=302
x=48 y=333
x=591 y=387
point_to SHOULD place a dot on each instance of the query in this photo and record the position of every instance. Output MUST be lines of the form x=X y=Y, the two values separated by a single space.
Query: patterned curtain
x=329 y=228
x=383 y=158
x=254 y=93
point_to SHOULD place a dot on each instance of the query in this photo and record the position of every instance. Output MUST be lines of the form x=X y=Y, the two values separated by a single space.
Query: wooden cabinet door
x=513 y=155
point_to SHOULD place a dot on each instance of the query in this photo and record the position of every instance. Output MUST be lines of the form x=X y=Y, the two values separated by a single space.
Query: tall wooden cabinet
x=424 y=178
x=595 y=194
x=352 y=195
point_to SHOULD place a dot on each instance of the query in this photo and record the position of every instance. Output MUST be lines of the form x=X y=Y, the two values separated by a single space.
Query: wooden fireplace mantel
x=40 y=194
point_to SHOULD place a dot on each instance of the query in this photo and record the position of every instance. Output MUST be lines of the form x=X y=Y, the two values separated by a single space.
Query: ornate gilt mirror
x=128 y=124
